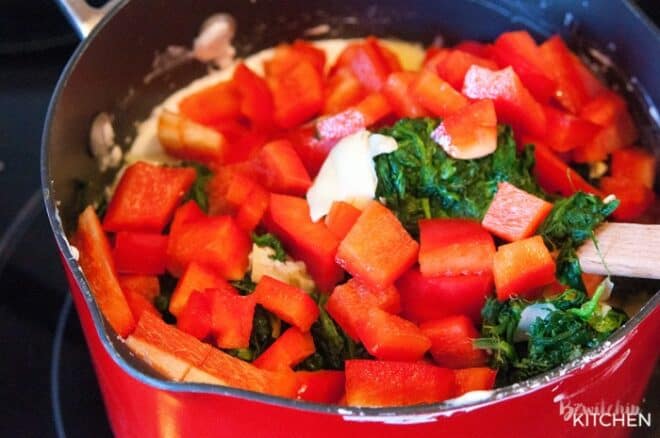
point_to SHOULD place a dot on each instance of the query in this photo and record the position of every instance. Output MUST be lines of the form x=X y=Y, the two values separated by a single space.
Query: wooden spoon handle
x=629 y=250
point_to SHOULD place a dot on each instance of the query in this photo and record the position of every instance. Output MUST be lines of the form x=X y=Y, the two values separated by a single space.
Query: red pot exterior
x=136 y=408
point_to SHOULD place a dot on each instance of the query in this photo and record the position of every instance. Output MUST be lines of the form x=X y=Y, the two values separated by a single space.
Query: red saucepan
x=107 y=73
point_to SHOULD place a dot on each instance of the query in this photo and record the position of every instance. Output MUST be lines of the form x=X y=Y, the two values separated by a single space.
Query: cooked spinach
x=167 y=284
x=419 y=180
x=269 y=240
x=198 y=190
x=573 y=326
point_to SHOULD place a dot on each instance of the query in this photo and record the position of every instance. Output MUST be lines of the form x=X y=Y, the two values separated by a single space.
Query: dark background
x=38 y=376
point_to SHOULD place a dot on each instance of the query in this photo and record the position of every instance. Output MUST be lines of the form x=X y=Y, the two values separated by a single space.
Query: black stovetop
x=47 y=383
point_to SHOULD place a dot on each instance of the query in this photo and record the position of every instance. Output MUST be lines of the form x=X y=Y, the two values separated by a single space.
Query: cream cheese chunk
x=290 y=271
x=348 y=173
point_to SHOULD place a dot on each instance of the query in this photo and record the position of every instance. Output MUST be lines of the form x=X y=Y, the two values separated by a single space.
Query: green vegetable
x=167 y=284
x=262 y=332
x=571 y=222
x=565 y=333
x=198 y=190
x=270 y=241
x=245 y=285
x=419 y=180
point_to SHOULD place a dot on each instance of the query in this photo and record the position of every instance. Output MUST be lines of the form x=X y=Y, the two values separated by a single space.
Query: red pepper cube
x=515 y=214
x=197 y=277
x=226 y=251
x=311 y=150
x=397 y=92
x=476 y=48
x=146 y=197
x=455 y=63
x=635 y=198
x=139 y=304
x=390 y=337
x=365 y=113
x=634 y=164
x=372 y=383
x=566 y=132
x=256 y=100
x=140 y=253
x=283 y=169
x=97 y=265
x=291 y=348
x=474 y=379
x=349 y=301
x=454 y=247
x=145 y=285
x=513 y=102
x=250 y=213
x=323 y=386
x=436 y=95
x=220 y=368
x=195 y=318
x=287 y=56
x=341 y=218
x=298 y=94
x=170 y=351
x=290 y=303
x=212 y=104
x=288 y=218
x=231 y=317
x=570 y=92
x=343 y=90
x=519 y=268
x=377 y=250
x=451 y=342
x=555 y=176
x=428 y=298
x=519 y=50
x=367 y=62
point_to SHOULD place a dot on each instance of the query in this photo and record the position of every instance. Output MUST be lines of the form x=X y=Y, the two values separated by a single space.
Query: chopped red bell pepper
x=139 y=304
x=590 y=83
x=515 y=214
x=146 y=197
x=566 y=132
x=256 y=98
x=377 y=259
x=390 y=337
x=454 y=247
x=231 y=317
x=634 y=164
x=145 y=285
x=286 y=58
x=436 y=95
x=167 y=349
x=470 y=132
x=368 y=111
x=372 y=383
x=513 y=102
x=349 y=302
x=298 y=94
x=635 y=198
x=283 y=169
x=235 y=193
x=456 y=63
x=311 y=150
x=519 y=50
x=98 y=266
x=391 y=58
x=195 y=278
x=367 y=62
x=140 y=253
x=288 y=218
x=290 y=303
x=186 y=139
x=195 y=318
x=428 y=298
x=291 y=348
x=555 y=176
x=213 y=104
x=475 y=48
x=474 y=379
x=451 y=342
x=521 y=267
x=570 y=92
x=397 y=91
x=343 y=90
x=250 y=213
x=220 y=368
x=341 y=218
x=323 y=386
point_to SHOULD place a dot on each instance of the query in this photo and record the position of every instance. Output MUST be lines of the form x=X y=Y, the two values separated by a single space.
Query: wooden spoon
x=628 y=250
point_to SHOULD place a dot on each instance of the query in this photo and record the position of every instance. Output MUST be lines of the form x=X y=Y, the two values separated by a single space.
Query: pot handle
x=84 y=17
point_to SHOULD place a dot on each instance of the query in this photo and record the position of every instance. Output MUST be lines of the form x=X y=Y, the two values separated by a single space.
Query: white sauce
x=348 y=173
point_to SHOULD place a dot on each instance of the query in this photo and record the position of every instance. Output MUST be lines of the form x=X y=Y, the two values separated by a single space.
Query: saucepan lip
x=553 y=377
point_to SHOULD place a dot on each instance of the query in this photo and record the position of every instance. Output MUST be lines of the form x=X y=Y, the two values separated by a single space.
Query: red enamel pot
x=107 y=73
